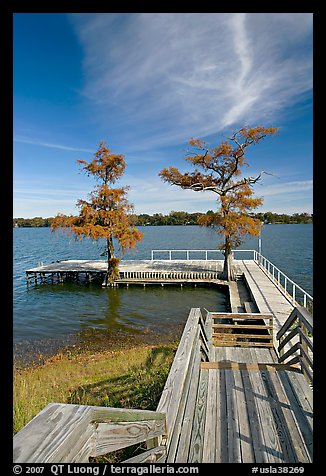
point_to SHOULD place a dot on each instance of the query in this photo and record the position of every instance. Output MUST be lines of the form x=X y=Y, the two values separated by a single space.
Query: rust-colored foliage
x=221 y=169
x=107 y=213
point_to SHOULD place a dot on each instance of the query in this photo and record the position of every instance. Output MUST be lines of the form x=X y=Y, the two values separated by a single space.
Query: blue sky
x=146 y=83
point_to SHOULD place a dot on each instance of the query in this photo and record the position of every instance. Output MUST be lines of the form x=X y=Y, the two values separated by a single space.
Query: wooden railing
x=169 y=275
x=242 y=329
x=182 y=383
x=64 y=433
x=296 y=341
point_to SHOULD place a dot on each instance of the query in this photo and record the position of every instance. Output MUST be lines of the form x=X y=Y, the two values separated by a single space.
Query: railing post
x=188 y=255
x=170 y=255
x=152 y=255
x=206 y=255
x=304 y=348
x=293 y=293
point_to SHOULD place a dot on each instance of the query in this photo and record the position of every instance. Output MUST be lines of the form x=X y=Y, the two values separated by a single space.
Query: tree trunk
x=110 y=253
x=228 y=271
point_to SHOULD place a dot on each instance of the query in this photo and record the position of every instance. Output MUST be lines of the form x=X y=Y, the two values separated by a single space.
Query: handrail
x=184 y=373
x=296 y=341
x=272 y=271
x=195 y=251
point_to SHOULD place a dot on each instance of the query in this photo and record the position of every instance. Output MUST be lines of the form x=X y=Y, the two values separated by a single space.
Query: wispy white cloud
x=193 y=74
x=287 y=187
x=26 y=140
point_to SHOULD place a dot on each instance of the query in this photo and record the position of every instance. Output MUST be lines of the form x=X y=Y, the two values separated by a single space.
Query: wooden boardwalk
x=219 y=404
x=252 y=415
x=239 y=389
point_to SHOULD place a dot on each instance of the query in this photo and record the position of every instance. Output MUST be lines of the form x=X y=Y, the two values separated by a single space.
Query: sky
x=146 y=83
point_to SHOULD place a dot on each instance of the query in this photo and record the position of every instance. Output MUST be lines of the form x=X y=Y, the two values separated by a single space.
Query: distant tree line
x=178 y=218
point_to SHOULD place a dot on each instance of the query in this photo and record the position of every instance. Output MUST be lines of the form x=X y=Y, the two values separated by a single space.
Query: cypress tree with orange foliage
x=221 y=173
x=107 y=214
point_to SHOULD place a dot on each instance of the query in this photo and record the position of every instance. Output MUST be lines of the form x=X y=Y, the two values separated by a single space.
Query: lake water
x=59 y=312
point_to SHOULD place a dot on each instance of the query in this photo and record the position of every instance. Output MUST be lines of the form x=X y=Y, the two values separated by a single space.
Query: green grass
x=132 y=378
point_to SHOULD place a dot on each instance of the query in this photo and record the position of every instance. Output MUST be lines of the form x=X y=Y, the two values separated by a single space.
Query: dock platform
x=239 y=389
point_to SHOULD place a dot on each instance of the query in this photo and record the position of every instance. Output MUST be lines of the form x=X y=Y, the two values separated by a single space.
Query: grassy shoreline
x=132 y=377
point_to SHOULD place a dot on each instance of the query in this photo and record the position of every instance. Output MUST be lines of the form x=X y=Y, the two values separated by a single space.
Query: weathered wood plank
x=288 y=453
x=293 y=437
x=198 y=430
x=270 y=367
x=241 y=315
x=112 y=436
x=186 y=420
x=174 y=385
x=233 y=430
x=222 y=449
x=245 y=437
x=218 y=343
x=258 y=443
x=111 y=414
x=154 y=455
x=58 y=434
x=272 y=446
x=242 y=326
x=211 y=438
x=302 y=415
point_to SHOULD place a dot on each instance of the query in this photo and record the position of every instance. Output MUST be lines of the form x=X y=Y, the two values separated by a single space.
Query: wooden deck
x=252 y=415
x=219 y=405
x=239 y=389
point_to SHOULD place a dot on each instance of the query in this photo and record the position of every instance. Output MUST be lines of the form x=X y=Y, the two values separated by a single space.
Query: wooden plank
x=233 y=431
x=272 y=447
x=253 y=367
x=230 y=343
x=258 y=443
x=154 y=455
x=198 y=430
x=241 y=326
x=301 y=399
x=180 y=409
x=209 y=330
x=304 y=397
x=287 y=338
x=211 y=439
x=245 y=437
x=292 y=440
x=244 y=336
x=112 y=436
x=180 y=450
x=58 y=434
x=281 y=415
x=241 y=315
x=301 y=410
x=288 y=353
x=111 y=414
x=222 y=448
x=174 y=385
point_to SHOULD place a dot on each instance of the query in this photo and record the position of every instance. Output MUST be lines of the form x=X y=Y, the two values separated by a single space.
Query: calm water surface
x=55 y=312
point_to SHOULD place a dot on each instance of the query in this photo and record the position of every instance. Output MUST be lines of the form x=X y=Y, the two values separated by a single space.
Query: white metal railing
x=287 y=286
x=197 y=251
x=283 y=282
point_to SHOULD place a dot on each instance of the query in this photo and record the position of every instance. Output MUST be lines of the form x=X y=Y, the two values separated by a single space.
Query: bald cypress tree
x=107 y=213
x=219 y=170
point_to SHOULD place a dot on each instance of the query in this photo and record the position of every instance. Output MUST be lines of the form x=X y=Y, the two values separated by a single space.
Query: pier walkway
x=239 y=389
